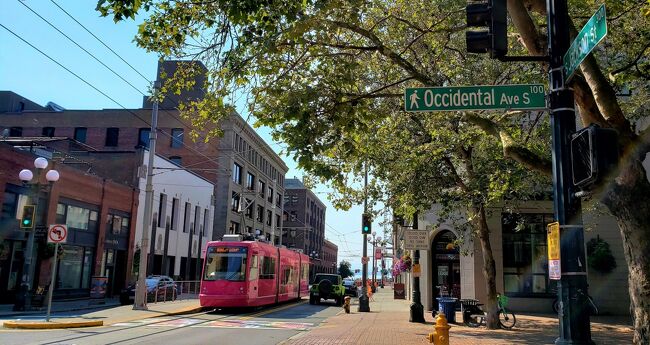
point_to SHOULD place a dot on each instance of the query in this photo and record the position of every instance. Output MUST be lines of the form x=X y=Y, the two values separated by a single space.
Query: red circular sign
x=57 y=233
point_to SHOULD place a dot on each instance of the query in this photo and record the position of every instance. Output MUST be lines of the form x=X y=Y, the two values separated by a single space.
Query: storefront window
x=74 y=268
x=70 y=267
x=77 y=217
x=525 y=264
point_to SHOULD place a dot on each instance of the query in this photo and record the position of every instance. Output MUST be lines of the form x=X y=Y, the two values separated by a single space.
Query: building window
x=278 y=199
x=277 y=221
x=260 y=214
x=16 y=132
x=197 y=219
x=143 y=137
x=12 y=205
x=186 y=217
x=206 y=220
x=162 y=210
x=249 y=208
x=234 y=228
x=177 y=138
x=261 y=188
x=112 y=135
x=236 y=173
x=269 y=217
x=176 y=160
x=250 y=181
x=118 y=225
x=525 y=264
x=80 y=134
x=234 y=202
x=74 y=267
x=48 y=132
x=270 y=195
x=174 y=224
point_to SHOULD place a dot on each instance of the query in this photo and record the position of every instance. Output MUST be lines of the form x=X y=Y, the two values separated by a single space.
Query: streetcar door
x=253 y=274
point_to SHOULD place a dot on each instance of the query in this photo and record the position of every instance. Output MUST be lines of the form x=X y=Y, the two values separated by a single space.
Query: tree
x=345 y=270
x=328 y=76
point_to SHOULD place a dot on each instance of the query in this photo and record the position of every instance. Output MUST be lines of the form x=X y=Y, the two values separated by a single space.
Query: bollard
x=440 y=335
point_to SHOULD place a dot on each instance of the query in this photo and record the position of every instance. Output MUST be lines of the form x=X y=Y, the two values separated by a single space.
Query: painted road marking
x=272 y=310
x=296 y=326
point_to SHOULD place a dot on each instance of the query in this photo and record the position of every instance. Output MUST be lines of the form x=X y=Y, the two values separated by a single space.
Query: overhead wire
x=208 y=159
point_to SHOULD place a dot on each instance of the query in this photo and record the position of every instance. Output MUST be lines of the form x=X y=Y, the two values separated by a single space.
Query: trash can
x=447 y=305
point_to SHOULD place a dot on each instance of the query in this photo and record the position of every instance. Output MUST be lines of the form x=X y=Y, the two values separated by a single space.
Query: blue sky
x=32 y=75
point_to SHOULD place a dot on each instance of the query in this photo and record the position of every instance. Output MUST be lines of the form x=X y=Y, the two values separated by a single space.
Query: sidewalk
x=6 y=310
x=105 y=317
x=387 y=323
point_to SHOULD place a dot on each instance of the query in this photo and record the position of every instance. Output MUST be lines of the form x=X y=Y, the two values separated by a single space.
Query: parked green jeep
x=327 y=286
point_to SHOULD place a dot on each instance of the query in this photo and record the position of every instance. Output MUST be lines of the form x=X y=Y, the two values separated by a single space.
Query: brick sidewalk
x=387 y=323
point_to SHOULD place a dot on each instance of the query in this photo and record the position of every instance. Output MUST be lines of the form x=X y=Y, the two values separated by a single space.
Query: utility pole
x=572 y=288
x=273 y=215
x=141 y=286
x=417 y=309
x=364 y=303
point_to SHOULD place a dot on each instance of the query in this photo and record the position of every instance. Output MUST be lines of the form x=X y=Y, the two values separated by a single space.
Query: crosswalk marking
x=189 y=322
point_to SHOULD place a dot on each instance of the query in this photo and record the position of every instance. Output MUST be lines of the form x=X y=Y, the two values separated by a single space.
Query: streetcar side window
x=268 y=268
x=305 y=272
x=225 y=263
x=252 y=274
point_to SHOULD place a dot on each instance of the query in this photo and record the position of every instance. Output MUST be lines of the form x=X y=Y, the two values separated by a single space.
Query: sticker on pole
x=553 y=242
x=58 y=233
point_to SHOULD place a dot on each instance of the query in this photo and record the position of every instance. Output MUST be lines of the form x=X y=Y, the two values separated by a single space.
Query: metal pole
x=417 y=309
x=50 y=291
x=572 y=288
x=364 y=305
x=24 y=300
x=141 y=287
x=273 y=216
x=374 y=264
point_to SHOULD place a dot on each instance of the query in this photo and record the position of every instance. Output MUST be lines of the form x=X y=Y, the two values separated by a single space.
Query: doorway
x=445 y=266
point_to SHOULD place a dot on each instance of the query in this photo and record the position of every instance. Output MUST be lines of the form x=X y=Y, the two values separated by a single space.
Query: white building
x=183 y=210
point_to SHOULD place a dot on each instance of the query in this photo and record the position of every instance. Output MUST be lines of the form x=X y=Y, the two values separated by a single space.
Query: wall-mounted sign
x=553 y=243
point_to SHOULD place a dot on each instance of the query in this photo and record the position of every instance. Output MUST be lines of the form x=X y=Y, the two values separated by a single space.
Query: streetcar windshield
x=225 y=263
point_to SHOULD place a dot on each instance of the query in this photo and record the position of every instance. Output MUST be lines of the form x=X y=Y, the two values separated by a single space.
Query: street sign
x=416 y=270
x=416 y=240
x=591 y=34
x=378 y=253
x=553 y=243
x=478 y=97
x=364 y=260
x=58 y=233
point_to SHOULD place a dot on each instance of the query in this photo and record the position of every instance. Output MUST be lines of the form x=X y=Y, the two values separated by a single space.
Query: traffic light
x=594 y=152
x=366 y=224
x=494 y=15
x=27 y=220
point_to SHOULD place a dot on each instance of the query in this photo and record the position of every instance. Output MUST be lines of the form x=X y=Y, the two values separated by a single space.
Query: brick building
x=304 y=223
x=330 y=257
x=100 y=215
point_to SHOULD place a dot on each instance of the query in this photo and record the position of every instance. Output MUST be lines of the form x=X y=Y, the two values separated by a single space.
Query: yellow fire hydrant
x=440 y=335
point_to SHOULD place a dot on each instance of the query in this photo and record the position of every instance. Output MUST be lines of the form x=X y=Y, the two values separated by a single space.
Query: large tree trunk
x=489 y=267
x=628 y=198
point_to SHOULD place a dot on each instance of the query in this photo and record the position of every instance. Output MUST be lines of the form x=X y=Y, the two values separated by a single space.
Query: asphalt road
x=265 y=326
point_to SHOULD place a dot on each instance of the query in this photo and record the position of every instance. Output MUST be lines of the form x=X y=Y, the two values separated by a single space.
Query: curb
x=36 y=312
x=49 y=325
x=183 y=312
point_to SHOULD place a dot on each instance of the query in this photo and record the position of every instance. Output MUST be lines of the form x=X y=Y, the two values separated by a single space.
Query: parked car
x=159 y=288
x=327 y=286
x=350 y=287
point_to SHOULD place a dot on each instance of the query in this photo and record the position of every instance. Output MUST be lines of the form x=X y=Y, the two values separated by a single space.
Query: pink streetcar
x=251 y=274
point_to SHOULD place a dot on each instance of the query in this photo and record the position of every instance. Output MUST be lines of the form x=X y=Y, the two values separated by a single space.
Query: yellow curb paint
x=52 y=325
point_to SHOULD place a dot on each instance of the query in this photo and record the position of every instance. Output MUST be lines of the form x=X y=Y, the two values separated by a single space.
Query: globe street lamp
x=23 y=297
x=314 y=256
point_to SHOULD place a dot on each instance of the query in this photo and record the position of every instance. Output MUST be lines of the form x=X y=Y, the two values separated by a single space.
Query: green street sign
x=591 y=34
x=480 y=97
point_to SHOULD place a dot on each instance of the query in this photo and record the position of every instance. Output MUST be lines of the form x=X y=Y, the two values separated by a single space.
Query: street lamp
x=314 y=256
x=23 y=298
x=374 y=240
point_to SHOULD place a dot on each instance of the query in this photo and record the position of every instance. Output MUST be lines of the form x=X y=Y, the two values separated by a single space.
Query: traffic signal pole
x=364 y=303
x=572 y=288
x=417 y=309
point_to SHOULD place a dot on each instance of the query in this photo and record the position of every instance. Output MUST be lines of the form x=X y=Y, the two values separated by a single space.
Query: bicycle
x=593 y=308
x=474 y=316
